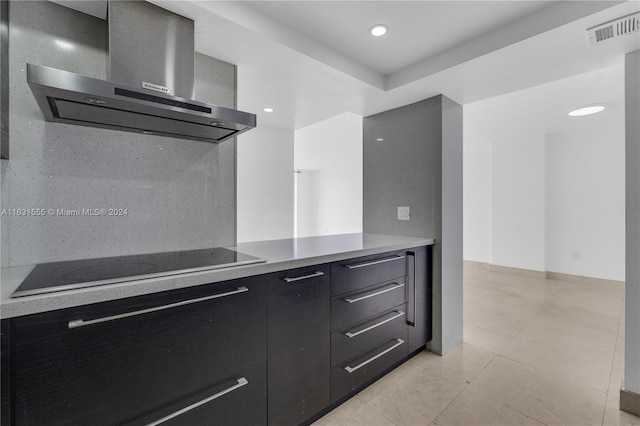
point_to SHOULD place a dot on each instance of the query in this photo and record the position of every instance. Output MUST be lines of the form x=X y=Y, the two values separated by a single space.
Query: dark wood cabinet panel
x=352 y=307
x=298 y=344
x=349 y=376
x=360 y=337
x=354 y=274
x=5 y=362
x=135 y=361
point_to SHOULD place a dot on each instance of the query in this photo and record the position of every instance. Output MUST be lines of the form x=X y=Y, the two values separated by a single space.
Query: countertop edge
x=15 y=307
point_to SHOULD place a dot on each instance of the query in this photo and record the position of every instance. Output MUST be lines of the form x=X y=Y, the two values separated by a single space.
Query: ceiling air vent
x=616 y=28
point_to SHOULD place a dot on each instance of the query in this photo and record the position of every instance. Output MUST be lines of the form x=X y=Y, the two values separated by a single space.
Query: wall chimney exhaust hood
x=150 y=82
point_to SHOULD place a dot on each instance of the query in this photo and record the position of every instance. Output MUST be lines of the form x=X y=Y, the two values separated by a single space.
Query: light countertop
x=279 y=255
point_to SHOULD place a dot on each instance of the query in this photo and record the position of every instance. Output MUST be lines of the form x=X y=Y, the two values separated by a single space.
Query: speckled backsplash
x=167 y=194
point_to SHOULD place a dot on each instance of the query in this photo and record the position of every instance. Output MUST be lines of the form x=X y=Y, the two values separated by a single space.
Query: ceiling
x=312 y=60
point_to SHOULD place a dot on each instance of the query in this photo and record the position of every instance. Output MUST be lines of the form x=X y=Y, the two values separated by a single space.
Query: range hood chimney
x=150 y=85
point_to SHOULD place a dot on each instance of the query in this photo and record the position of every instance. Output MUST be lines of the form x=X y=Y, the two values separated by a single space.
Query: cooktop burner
x=58 y=276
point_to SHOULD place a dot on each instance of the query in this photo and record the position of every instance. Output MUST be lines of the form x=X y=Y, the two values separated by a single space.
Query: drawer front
x=133 y=361
x=227 y=402
x=357 y=306
x=354 y=274
x=351 y=375
x=363 y=336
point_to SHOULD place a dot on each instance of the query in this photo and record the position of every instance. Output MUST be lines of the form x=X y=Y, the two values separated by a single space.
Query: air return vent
x=616 y=28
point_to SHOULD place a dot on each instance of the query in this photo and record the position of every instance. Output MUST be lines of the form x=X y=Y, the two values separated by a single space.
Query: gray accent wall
x=178 y=194
x=632 y=290
x=418 y=164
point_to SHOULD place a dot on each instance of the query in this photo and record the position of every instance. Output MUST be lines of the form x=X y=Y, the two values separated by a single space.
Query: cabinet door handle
x=377 y=293
x=411 y=272
x=304 y=277
x=374 y=262
x=81 y=323
x=371 y=327
x=399 y=342
x=241 y=382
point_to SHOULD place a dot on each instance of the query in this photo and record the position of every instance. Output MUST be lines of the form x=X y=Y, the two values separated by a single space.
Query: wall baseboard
x=630 y=402
x=579 y=278
x=550 y=275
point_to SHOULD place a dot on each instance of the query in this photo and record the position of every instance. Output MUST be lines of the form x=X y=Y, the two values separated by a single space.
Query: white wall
x=329 y=188
x=477 y=195
x=545 y=191
x=517 y=202
x=585 y=201
x=265 y=184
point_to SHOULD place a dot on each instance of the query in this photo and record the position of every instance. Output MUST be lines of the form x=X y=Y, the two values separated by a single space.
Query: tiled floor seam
x=512 y=409
x=371 y=408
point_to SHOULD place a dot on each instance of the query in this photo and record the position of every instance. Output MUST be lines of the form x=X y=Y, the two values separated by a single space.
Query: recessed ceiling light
x=378 y=30
x=379 y=140
x=268 y=109
x=586 y=110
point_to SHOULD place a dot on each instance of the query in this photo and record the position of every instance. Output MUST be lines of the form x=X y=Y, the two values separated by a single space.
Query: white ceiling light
x=586 y=110
x=268 y=109
x=378 y=30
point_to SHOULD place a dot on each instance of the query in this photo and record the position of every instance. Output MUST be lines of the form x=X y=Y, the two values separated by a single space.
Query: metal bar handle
x=81 y=323
x=411 y=266
x=375 y=262
x=350 y=370
x=304 y=277
x=377 y=293
x=384 y=321
x=241 y=382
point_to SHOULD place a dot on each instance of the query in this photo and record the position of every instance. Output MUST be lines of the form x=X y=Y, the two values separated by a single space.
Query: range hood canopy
x=151 y=74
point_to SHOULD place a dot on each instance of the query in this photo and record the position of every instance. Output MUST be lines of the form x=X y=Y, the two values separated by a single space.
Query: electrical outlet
x=404 y=213
x=575 y=255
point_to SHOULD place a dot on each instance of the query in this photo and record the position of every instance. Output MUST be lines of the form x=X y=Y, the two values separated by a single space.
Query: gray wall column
x=412 y=157
x=630 y=395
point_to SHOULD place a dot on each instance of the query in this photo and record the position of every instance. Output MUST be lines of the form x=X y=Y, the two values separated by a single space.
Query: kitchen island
x=279 y=342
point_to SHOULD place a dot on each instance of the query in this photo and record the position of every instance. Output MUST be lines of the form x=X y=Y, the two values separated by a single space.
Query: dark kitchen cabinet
x=419 y=312
x=184 y=357
x=298 y=344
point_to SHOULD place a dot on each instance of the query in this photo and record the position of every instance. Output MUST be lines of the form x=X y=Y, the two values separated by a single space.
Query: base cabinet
x=278 y=349
x=298 y=342
x=184 y=357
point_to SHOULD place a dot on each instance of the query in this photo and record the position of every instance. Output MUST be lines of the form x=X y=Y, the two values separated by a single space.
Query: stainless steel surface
x=151 y=85
x=70 y=98
x=240 y=383
x=411 y=272
x=375 y=262
x=377 y=293
x=82 y=323
x=151 y=44
x=371 y=327
x=4 y=79
x=304 y=277
x=350 y=370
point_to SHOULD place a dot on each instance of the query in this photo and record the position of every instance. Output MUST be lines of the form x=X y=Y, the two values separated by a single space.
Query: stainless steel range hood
x=151 y=75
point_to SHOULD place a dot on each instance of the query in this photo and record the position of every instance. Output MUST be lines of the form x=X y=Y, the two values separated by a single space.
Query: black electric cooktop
x=58 y=276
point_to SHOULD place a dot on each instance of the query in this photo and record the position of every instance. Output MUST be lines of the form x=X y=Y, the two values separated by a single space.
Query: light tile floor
x=536 y=352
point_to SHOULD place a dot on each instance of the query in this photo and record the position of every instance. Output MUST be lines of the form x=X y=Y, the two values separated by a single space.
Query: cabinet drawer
x=357 y=306
x=135 y=360
x=354 y=274
x=350 y=375
x=230 y=401
x=358 y=338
